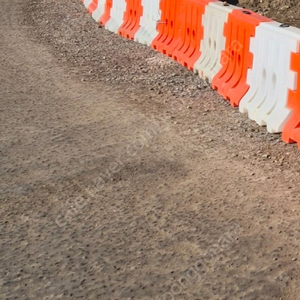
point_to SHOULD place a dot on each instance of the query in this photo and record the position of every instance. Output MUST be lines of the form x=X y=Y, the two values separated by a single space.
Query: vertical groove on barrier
x=99 y=10
x=92 y=7
x=106 y=15
x=213 y=42
x=132 y=15
x=236 y=59
x=168 y=27
x=181 y=30
x=148 y=22
x=187 y=51
x=291 y=131
x=116 y=15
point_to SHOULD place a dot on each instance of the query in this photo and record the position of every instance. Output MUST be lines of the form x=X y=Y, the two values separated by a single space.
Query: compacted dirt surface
x=124 y=176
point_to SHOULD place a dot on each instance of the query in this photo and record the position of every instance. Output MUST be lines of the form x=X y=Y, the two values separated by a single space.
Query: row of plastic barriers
x=251 y=61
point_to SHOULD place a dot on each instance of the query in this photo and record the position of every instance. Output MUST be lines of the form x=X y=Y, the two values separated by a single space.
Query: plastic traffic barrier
x=168 y=26
x=291 y=130
x=106 y=15
x=93 y=5
x=99 y=10
x=187 y=51
x=251 y=60
x=236 y=59
x=271 y=76
x=116 y=15
x=131 y=18
x=148 y=22
x=213 y=42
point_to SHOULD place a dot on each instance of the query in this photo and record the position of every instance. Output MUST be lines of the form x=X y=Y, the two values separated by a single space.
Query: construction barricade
x=148 y=22
x=106 y=15
x=187 y=51
x=236 y=59
x=116 y=15
x=98 y=12
x=213 y=42
x=93 y=5
x=271 y=76
x=251 y=60
x=168 y=27
x=291 y=130
x=131 y=19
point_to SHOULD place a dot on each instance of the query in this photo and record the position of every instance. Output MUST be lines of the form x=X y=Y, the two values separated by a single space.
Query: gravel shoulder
x=120 y=170
x=284 y=11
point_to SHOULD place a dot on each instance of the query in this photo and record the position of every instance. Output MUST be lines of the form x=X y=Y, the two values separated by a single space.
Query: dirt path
x=112 y=191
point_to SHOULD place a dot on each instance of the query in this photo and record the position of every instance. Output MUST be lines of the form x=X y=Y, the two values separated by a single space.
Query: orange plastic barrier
x=168 y=27
x=236 y=59
x=106 y=16
x=187 y=51
x=291 y=131
x=93 y=6
x=132 y=15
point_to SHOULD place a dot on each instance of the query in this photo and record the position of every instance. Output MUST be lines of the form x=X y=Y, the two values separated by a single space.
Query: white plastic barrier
x=87 y=3
x=148 y=22
x=99 y=11
x=213 y=42
x=271 y=77
x=116 y=15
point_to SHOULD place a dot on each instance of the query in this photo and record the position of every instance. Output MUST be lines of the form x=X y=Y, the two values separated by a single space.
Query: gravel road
x=124 y=176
